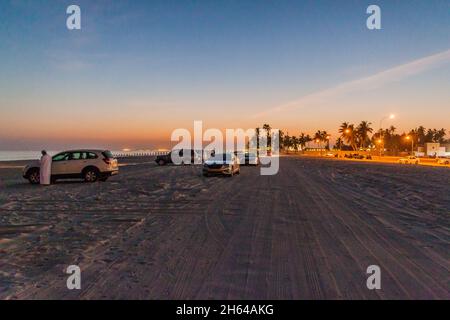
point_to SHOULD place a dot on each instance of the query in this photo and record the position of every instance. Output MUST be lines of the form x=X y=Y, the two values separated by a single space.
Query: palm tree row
x=292 y=142
x=357 y=137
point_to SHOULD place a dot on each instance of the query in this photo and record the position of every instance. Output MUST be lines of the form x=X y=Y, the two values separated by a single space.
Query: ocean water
x=35 y=155
x=21 y=155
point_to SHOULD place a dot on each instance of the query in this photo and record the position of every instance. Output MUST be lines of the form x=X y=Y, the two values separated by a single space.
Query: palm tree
x=318 y=137
x=294 y=143
x=303 y=139
x=267 y=128
x=321 y=136
x=287 y=142
x=281 y=139
x=326 y=139
x=392 y=129
x=338 y=144
x=344 y=128
x=362 y=132
x=258 y=133
x=421 y=134
x=429 y=136
x=439 y=135
x=348 y=134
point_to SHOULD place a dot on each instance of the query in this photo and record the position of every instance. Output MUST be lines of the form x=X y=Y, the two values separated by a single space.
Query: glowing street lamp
x=379 y=141
x=346 y=132
x=412 y=143
x=328 y=137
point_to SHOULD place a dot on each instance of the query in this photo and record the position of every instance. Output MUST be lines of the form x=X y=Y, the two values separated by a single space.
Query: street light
x=412 y=144
x=347 y=131
x=391 y=116
x=379 y=141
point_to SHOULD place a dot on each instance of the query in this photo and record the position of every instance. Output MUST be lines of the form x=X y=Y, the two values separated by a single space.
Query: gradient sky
x=139 y=69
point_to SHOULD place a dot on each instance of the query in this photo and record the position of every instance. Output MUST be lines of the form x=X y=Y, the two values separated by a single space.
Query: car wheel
x=91 y=175
x=161 y=162
x=34 y=176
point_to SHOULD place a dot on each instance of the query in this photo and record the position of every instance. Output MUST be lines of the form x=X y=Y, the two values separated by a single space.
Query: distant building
x=431 y=149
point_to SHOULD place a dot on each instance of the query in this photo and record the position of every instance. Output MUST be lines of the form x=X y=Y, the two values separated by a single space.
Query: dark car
x=357 y=156
x=167 y=158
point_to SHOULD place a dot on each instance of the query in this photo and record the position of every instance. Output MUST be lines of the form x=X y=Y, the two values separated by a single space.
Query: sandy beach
x=153 y=232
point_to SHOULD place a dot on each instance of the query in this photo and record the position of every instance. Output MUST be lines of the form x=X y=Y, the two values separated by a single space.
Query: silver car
x=90 y=165
x=226 y=164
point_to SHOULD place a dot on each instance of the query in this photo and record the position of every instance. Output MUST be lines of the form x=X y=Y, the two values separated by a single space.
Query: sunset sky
x=139 y=69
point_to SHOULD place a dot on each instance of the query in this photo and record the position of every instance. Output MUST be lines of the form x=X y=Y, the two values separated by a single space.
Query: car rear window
x=108 y=154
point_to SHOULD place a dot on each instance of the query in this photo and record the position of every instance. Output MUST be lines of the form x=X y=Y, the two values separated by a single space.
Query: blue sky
x=143 y=68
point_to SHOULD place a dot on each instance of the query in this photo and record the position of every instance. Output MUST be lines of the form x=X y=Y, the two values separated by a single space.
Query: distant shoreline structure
x=34 y=155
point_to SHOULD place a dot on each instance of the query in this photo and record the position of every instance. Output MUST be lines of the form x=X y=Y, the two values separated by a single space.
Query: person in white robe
x=46 y=168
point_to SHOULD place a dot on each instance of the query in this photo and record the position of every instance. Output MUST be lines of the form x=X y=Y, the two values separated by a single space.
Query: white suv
x=87 y=164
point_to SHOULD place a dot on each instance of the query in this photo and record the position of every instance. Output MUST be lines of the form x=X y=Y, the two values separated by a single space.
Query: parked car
x=354 y=156
x=87 y=164
x=164 y=159
x=247 y=158
x=409 y=160
x=444 y=161
x=226 y=163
